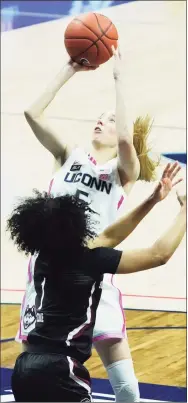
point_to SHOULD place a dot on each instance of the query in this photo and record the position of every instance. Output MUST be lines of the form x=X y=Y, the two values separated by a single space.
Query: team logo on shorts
x=29 y=316
x=76 y=166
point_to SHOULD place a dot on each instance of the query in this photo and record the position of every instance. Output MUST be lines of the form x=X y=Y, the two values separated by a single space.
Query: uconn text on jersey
x=89 y=181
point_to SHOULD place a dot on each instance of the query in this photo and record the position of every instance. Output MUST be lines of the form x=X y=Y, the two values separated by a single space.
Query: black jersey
x=67 y=297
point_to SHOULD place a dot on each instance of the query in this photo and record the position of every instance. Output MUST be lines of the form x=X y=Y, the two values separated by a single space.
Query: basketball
x=90 y=37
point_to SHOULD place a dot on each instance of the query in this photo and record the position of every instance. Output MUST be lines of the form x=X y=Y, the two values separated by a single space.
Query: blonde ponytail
x=142 y=128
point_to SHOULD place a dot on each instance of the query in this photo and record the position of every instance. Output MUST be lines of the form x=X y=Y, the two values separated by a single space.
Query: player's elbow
x=161 y=254
x=28 y=115
x=128 y=163
x=163 y=259
x=125 y=139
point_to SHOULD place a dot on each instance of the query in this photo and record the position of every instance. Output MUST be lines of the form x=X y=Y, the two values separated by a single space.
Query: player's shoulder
x=100 y=252
x=76 y=151
x=71 y=151
x=92 y=255
x=102 y=260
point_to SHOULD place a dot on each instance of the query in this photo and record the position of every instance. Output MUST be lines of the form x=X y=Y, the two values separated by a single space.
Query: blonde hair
x=142 y=128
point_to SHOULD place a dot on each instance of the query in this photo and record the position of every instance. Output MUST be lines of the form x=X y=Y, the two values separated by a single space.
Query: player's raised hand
x=117 y=62
x=168 y=181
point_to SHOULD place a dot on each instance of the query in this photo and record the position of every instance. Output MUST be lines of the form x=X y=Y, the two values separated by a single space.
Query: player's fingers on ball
x=113 y=50
x=86 y=63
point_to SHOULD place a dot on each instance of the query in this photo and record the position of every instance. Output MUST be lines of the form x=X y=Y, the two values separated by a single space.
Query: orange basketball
x=90 y=37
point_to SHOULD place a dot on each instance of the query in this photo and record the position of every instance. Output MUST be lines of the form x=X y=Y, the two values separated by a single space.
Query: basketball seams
x=85 y=50
x=97 y=49
x=104 y=32
x=80 y=37
x=108 y=37
x=77 y=19
x=105 y=46
x=87 y=39
x=80 y=54
x=94 y=42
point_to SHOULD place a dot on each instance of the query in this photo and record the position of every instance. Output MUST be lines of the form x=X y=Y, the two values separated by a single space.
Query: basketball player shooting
x=103 y=175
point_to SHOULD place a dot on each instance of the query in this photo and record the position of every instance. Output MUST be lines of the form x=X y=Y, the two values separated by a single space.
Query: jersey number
x=82 y=195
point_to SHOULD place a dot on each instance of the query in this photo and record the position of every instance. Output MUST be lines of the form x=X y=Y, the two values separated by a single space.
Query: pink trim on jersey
x=29 y=271
x=92 y=159
x=120 y=304
x=120 y=202
x=24 y=338
x=106 y=336
x=50 y=186
x=20 y=330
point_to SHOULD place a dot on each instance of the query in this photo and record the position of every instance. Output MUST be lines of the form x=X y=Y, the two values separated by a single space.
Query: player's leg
x=116 y=357
x=110 y=340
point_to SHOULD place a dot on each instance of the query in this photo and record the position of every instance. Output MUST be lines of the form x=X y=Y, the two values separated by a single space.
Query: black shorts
x=50 y=377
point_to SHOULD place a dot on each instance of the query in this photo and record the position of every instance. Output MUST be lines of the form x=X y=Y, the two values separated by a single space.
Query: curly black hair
x=47 y=224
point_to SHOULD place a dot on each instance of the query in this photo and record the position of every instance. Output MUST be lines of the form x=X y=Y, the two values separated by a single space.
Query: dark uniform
x=67 y=297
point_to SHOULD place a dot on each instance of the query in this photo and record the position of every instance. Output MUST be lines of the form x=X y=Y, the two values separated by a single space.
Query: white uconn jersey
x=98 y=185
x=28 y=312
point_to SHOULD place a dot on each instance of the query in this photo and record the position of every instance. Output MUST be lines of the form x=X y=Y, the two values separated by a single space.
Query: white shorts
x=110 y=320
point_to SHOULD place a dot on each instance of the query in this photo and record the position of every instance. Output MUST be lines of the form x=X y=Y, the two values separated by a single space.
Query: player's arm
x=128 y=162
x=161 y=251
x=122 y=228
x=35 y=114
x=38 y=123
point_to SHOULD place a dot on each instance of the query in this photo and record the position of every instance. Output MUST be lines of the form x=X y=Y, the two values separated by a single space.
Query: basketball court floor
x=152 y=40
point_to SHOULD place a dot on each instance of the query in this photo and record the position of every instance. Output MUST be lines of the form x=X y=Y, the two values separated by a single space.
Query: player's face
x=105 y=130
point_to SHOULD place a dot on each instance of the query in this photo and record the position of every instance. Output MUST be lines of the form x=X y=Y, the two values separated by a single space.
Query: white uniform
x=99 y=185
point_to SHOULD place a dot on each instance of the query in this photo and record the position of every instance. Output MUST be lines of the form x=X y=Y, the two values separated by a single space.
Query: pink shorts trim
x=20 y=337
x=120 y=304
x=109 y=336
x=29 y=271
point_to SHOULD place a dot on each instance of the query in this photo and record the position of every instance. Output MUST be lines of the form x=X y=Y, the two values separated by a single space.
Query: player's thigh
x=110 y=318
x=112 y=350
